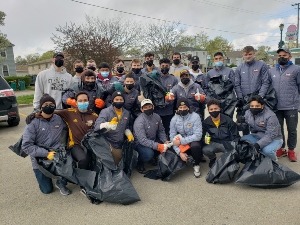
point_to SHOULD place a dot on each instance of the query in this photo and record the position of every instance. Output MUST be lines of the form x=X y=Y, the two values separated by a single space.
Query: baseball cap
x=284 y=49
x=184 y=72
x=146 y=101
x=58 y=54
x=195 y=58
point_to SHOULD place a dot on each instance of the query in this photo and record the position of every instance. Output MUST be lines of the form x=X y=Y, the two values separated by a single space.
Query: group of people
x=110 y=100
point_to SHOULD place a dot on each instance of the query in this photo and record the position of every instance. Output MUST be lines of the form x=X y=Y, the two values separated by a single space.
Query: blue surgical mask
x=82 y=106
x=104 y=74
x=218 y=64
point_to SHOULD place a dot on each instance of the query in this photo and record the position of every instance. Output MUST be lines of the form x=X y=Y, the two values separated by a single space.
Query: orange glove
x=200 y=97
x=184 y=148
x=162 y=147
x=71 y=102
x=99 y=103
x=169 y=96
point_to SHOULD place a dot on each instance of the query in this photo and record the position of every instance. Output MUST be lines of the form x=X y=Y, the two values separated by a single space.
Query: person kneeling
x=220 y=132
x=264 y=126
x=186 y=133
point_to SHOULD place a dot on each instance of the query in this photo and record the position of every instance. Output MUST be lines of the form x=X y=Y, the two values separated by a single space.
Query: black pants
x=80 y=156
x=166 y=120
x=195 y=151
x=291 y=119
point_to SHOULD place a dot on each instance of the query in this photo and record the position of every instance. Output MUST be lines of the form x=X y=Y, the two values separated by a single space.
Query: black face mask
x=59 y=62
x=92 y=68
x=282 y=61
x=118 y=105
x=129 y=86
x=79 y=69
x=120 y=69
x=185 y=80
x=255 y=111
x=89 y=85
x=149 y=112
x=136 y=70
x=195 y=67
x=176 y=61
x=48 y=109
x=165 y=70
x=149 y=63
x=183 y=112
x=214 y=114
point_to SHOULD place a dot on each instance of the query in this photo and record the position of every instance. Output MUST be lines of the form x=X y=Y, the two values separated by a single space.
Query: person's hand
x=99 y=103
x=71 y=102
x=50 y=155
x=240 y=103
x=183 y=156
x=129 y=135
x=176 y=141
x=162 y=147
x=257 y=147
x=169 y=97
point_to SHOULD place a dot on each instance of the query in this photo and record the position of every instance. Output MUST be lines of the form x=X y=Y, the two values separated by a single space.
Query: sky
x=30 y=24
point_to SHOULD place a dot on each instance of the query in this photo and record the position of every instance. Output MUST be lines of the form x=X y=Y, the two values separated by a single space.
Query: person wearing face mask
x=221 y=129
x=113 y=123
x=177 y=67
x=78 y=68
x=186 y=133
x=52 y=81
x=149 y=134
x=264 y=126
x=89 y=85
x=41 y=138
x=136 y=72
x=91 y=65
x=105 y=78
x=286 y=81
x=119 y=68
x=149 y=66
x=251 y=78
x=168 y=81
x=195 y=71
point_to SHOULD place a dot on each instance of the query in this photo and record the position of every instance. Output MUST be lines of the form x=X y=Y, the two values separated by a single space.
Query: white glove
x=108 y=126
x=169 y=145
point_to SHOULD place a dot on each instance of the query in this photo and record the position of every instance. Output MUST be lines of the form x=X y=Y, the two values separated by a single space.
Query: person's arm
x=161 y=131
x=271 y=132
x=173 y=133
x=70 y=94
x=103 y=118
x=197 y=131
x=298 y=80
x=237 y=83
x=233 y=129
x=29 y=139
x=266 y=80
x=38 y=90
x=231 y=76
x=141 y=136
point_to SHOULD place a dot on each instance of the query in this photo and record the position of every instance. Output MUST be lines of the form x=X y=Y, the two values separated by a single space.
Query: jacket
x=148 y=130
x=286 y=82
x=189 y=127
x=115 y=137
x=41 y=135
x=136 y=79
x=265 y=126
x=252 y=77
x=226 y=132
x=176 y=70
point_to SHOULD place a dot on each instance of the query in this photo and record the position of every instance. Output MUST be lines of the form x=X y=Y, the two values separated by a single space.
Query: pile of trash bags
x=258 y=171
x=104 y=181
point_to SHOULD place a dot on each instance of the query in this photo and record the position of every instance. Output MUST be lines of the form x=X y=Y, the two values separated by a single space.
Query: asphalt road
x=183 y=200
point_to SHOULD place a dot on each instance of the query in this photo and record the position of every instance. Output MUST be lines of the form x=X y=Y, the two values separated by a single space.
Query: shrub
x=16 y=79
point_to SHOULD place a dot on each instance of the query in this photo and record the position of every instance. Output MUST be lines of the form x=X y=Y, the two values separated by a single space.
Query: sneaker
x=281 y=153
x=292 y=155
x=197 y=171
x=62 y=188
x=212 y=162
x=141 y=168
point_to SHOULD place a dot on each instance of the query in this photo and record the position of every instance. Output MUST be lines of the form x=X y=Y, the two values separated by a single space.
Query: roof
x=234 y=54
x=41 y=62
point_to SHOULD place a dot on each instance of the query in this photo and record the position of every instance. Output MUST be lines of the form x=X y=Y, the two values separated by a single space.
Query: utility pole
x=298 y=8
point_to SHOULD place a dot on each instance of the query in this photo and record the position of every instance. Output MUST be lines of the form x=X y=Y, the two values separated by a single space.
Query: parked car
x=9 y=111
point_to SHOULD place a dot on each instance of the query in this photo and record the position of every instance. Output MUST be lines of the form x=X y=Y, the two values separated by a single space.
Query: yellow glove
x=129 y=135
x=50 y=155
x=114 y=121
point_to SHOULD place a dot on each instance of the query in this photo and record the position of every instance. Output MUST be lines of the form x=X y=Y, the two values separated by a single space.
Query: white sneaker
x=197 y=171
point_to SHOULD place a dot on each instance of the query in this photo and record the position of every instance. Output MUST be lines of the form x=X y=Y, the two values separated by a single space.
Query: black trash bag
x=110 y=182
x=246 y=151
x=263 y=172
x=168 y=164
x=224 y=169
x=222 y=90
x=17 y=148
x=130 y=158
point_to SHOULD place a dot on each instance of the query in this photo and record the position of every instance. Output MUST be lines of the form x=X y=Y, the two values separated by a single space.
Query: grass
x=25 y=99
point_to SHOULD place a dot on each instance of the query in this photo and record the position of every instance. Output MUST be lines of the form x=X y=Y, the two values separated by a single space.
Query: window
x=5 y=70
x=3 y=54
x=297 y=61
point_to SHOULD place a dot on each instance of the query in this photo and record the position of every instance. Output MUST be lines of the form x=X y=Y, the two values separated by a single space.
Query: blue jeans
x=269 y=150
x=45 y=183
x=145 y=153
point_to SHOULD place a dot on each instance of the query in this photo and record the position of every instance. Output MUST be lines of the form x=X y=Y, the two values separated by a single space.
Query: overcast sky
x=29 y=24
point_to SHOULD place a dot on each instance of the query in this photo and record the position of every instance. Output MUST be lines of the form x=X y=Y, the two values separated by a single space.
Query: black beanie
x=183 y=101
x=115 y=94
x=46 y=98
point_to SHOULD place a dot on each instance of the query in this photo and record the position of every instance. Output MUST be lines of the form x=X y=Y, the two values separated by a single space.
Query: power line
x=164 y=20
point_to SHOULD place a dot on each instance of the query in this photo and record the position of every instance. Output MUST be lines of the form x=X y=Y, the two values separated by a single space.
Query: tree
x=262 y=53
x=3 y=40
x=162 y=38
x=218 y=44
x=198 y=41
x=46 y=55
x=19 y=60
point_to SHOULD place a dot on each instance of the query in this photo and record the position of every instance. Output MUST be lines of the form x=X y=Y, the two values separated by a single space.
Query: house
x=234 y=57
x=21 y=70
x=295 y=56
x=7 y=61
x=35 y=68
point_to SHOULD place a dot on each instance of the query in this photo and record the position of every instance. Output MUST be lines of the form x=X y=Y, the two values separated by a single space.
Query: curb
x=24 y=105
